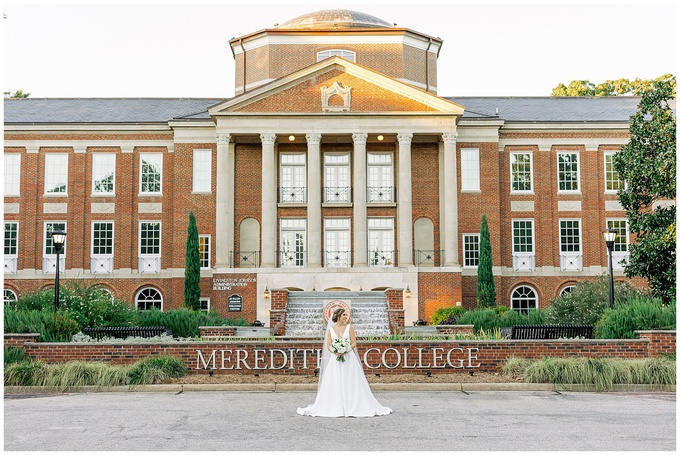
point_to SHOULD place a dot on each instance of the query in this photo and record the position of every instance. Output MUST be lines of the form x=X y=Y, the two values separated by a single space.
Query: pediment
x=336 y=86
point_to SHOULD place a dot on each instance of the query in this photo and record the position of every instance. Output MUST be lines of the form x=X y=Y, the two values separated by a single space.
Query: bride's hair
x=337 y=313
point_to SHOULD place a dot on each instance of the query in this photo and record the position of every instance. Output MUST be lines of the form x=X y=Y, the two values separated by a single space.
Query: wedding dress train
x=343 y=388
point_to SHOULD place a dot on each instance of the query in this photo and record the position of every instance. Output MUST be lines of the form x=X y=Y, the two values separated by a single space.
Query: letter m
x=200 y=359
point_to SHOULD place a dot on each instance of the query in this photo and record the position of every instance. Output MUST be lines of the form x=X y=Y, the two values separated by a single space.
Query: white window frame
x=569 y=182
x=56 y=174
x=524 y=261
x=293 y=175
x=520 y=309
x=337 y=177
x=153 y=159
x=204 y=251
x=571 y=254
x=621 y=249
x=204 y=302
x=380 y=242
x=101 y=262
x=469 y=170
x=620 y=184
x=468 y=261
x=380 y=177
x=344 y=53
x=49 y=255
x=11 y=247
x=9 y=300
x=149 y=262
x=202 y=171
x=531 y=173
x=149 y=289
x=103 y=165
x=12 y=174
x=290 y=253
x=337 y=242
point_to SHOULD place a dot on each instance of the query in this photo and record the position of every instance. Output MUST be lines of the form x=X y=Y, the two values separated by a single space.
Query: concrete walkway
x=266 y=421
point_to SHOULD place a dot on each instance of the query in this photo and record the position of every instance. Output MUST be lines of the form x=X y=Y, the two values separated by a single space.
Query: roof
x=335 y=19
x=161 y=110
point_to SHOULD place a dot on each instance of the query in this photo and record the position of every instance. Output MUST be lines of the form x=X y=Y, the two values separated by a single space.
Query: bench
x=551 y=332
x=125 y=332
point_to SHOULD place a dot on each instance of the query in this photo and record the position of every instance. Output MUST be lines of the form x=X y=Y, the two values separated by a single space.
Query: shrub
x=488 y=319
x=62 y=326
x=588 y=300
x=446 y=315
x=92 y=306
x=33 y=321
x=184 y=322
x=37 y=300
x=642 y=313
x=27 y=373
x=154 y=370
x=15 y=355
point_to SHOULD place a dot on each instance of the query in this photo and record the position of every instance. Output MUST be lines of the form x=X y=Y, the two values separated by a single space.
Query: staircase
x=304 y=314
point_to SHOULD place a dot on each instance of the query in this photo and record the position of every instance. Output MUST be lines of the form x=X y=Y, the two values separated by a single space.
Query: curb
x=382 y=387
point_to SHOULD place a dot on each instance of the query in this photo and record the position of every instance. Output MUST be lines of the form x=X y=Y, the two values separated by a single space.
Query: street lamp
x=58 y=239
x=609 y=237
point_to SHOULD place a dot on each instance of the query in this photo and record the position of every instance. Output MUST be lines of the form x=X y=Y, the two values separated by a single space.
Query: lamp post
x=609 y=237
x=58 y=239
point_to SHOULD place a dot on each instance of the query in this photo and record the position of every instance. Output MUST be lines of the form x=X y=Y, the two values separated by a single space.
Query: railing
x=101 y=264
x=337 y=194
x=523 y=262
x=428 y=258
x=381 y=258
x=381 y=194
x=571 y=261
x=291 y=258
x=293 y=194
x=149 y=264
x=50 y=265
x=337 y=258
x=244 y=259
x=10 y=265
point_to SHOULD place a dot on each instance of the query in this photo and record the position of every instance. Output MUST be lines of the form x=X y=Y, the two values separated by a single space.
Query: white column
x=224 y=215
x=359 y=200
x=313 y=200
x=404 y=210
x=269 y=222
x=450 y=200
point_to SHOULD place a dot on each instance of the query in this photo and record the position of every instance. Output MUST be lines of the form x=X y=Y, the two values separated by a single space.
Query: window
x=336 y=178
x=293 y=178
x=148 y=299
x=101 y=259
x=12 y=174
x=337 y=242
x=11 y=247
x=381 y=242
x=566 y=290
x=204 y=303
x=524 y=299
x=523 y=245
x=469 y=169
x=103 y=173
x=50 y=252
x=202 y=171
x=56 y=173
x=521 y=176
x=151 y=170
x=293 y=241
x=470 y=250
x=620 y=249
x=380 y=178
x=9 y=297
x=612 y=181
x=567 y=172
x=204 y=250
x=571 y=257
x=347 y=55
x=149 y=247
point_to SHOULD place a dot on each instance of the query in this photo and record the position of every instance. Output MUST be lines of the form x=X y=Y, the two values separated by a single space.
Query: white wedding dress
x=343 y=388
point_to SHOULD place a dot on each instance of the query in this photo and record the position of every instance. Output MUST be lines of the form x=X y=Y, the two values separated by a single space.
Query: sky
x=152 y=50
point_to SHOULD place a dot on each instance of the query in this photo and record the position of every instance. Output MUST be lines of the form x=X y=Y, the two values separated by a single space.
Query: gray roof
x=161 y=110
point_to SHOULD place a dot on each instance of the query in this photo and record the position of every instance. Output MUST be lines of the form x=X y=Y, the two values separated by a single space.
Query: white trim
x=531 y=171
x=578 y=171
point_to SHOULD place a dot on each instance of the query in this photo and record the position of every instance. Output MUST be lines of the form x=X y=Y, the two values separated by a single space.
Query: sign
x=235 y=303
x=225 y=284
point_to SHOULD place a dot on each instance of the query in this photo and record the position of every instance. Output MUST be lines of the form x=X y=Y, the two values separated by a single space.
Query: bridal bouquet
x=340 y=346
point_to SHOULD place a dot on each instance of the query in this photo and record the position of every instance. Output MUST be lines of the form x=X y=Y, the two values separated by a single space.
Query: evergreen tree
x=192 y=268
x=486 y=290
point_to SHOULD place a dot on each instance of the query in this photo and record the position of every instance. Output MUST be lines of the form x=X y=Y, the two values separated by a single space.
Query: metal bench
x=125 y=332
x=551 y=332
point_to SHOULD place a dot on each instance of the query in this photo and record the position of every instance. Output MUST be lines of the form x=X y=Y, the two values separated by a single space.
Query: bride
x=343 y=389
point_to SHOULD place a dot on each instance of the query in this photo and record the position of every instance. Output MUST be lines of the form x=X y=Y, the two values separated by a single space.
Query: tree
x=647 y=163
x=192 y=268
x=618 y=87
x=18 y=94
x=486 y=289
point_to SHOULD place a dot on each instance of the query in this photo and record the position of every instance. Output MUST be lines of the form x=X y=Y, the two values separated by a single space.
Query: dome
x=335 y=18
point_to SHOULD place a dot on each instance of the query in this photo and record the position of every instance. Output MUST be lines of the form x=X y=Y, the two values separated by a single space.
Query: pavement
x=211 y=417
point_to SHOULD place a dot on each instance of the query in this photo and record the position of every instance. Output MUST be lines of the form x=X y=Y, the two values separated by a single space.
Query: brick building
x=336 y=166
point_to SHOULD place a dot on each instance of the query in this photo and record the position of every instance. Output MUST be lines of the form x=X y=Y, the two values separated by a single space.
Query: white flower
x=340 y=346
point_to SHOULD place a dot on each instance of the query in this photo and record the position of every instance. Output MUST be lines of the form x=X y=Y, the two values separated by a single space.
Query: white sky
x=180 y=50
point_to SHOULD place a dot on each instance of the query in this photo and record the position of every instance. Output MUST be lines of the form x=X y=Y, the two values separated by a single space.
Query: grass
x=599 y=372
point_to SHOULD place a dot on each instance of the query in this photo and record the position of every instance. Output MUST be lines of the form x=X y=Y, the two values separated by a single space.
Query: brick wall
x=660 y=341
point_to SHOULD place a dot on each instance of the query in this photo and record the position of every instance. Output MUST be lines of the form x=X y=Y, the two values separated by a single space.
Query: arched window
x=10 y=297
x=524 y=299
x=149 y=298
x=566 y=290
x=347 y=55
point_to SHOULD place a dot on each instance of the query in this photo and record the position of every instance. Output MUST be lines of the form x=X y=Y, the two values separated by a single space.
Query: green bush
x=492 y=318
x=92 y=306
x=588 y=300
x=153 y=370
x=642 y=313
x=446 y=315
x=34 y=321
x=15 y=355
x=26 y=373
x=62 y=326
x=38 y=300
x=184 y=322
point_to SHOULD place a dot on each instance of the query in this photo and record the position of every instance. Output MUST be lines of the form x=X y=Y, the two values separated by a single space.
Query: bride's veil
x=325 y=352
